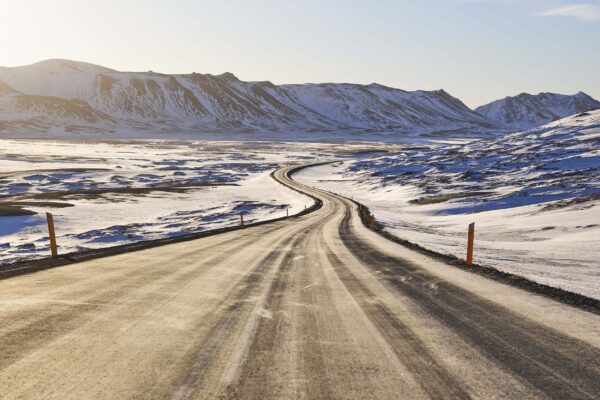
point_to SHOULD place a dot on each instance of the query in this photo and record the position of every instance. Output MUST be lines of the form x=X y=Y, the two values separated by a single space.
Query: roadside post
x=52 y=234
x=287 y=211
x=242 y=218
x=470 y=243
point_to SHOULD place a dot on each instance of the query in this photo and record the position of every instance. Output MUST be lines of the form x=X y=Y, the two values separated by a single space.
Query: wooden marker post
x=470 y=242
x=242 y=218
x=52 y=234
x=373 y=222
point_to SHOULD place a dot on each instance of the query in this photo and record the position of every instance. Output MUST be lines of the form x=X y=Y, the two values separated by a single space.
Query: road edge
x=573 y=299
x=29 y=266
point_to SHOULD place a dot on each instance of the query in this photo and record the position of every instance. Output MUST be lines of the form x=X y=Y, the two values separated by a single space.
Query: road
x=313 y=307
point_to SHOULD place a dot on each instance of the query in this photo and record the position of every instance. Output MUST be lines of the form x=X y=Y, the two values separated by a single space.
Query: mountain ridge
x=525 y=110
x=107 y=99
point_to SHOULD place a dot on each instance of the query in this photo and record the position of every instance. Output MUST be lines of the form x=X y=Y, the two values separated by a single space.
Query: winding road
x=311 y=307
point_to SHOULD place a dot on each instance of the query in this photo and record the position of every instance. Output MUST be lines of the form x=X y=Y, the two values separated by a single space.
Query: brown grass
x=441 y=198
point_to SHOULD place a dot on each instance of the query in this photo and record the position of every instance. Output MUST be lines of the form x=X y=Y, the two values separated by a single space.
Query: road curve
x=313 y=307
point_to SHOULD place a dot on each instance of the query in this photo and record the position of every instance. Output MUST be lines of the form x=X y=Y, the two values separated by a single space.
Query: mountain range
x=64 y=95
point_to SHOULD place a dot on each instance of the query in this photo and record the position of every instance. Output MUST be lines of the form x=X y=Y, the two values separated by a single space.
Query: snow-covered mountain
x=147 y=100
x=63 y=95
x=527 y=111
x=30 y=112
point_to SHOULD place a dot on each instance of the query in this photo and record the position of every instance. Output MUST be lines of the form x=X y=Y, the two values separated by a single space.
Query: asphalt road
x=314 y=307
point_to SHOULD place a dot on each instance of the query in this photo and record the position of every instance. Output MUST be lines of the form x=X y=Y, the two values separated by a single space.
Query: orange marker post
x=52 y=234
x=373 y=222
x=470 y=243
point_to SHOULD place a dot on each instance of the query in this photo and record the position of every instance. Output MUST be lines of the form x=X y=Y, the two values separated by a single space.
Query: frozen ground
x=107 y=193
x=535 y=198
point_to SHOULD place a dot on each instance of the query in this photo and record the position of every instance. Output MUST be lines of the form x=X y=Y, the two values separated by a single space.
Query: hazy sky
x=478 y=50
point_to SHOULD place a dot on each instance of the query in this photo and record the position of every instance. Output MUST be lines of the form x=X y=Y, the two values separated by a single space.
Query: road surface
x=314 y=307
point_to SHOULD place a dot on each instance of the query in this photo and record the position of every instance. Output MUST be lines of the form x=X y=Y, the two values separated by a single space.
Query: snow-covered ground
x=107 y=193
x=534 y=196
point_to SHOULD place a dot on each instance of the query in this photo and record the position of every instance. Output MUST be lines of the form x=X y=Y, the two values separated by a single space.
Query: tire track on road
x=434 y=379
x=211 y=345
x=557 y=365
x=59 y=320
x=273 y=334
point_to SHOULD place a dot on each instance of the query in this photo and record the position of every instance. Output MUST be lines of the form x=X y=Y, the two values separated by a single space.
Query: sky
x=477 y=50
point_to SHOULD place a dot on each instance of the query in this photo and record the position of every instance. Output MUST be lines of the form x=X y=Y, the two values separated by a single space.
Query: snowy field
x=534 y=196
x=109 y=193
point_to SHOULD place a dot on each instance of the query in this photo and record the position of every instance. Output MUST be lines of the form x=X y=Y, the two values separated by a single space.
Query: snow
x=80 y=97
x=534 y=197
x=65 y=97
x=526 y=111
x=49 y=173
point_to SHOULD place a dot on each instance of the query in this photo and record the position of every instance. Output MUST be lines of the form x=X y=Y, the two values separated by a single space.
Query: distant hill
x=527 y=111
